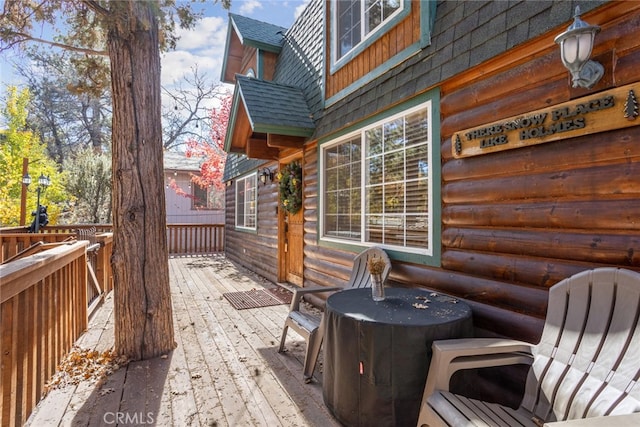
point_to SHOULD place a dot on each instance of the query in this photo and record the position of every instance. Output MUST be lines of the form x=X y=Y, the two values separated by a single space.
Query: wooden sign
x=613 y=109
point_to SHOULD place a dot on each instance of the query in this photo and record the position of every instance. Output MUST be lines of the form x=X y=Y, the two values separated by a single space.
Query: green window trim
x=427 y=20
x=427 y=256
x=259 y=64
x=246 y=197
x=384 y=27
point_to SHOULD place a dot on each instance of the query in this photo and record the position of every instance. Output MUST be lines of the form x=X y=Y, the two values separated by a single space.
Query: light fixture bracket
x=576 y=45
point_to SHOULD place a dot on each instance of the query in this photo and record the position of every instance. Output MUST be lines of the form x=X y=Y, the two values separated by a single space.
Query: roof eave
x=232 y=119
x=226 y=55
x=267 y=47
x=282 y=130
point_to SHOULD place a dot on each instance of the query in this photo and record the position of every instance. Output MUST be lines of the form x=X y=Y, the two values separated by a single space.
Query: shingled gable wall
x=299 y=65
x=465 y=34
x=301 y=60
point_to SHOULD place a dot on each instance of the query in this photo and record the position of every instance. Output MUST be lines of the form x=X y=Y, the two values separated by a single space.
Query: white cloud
x=202 y=47
x=248 y=7
x=300 y=8
x=175 y=65
x=207 y=29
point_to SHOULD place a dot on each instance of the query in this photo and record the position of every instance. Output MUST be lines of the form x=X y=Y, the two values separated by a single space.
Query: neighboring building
x=447 y=132
x=187 y=202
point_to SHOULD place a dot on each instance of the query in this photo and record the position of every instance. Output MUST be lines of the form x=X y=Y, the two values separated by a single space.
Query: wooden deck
x=225 y=371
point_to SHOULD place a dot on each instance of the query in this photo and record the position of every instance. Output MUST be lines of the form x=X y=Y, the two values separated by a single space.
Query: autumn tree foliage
x=18 y=142
x=212 y=151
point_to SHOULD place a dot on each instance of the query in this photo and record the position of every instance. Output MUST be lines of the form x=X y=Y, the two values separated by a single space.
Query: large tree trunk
x=142 y=298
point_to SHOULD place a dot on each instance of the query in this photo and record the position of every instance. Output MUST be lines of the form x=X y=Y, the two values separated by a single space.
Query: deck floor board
x=225 y=371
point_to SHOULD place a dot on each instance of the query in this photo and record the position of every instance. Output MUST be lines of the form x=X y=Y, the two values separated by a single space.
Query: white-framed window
x=246 y=202
x=377 y=185
x=356 y=20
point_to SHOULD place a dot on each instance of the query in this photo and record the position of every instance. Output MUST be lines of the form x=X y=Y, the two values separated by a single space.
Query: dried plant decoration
x=376 y=265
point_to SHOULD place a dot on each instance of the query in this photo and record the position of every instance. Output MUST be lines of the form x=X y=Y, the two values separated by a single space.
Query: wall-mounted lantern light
x=229 y=183
x=576 y=45
x=266 y=174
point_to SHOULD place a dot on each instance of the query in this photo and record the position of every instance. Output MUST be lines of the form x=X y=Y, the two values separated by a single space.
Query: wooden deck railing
x=68 y=228
x=15 y=244
x=195 y=239
x=49 y=284
x=182 y=239
x=11 y=244
x=43 y=311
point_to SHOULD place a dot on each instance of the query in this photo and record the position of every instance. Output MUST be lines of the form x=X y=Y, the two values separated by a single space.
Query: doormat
x=282 y=294
x=257 y=298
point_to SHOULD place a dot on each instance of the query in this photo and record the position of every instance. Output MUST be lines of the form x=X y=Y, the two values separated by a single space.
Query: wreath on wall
x=290 y=187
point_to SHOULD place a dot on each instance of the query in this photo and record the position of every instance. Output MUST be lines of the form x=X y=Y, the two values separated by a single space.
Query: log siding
x=513 y=222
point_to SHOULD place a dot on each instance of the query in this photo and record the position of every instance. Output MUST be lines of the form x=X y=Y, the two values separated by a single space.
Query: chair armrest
x=299 y=293
x=450 y=356
x=628 y=420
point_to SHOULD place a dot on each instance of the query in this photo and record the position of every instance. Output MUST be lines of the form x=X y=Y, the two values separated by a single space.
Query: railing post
x=103 y=267
x=43 y=310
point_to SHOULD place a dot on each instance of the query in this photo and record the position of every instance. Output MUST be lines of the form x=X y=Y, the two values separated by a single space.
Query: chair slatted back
x=360 y=277
x=588 y=360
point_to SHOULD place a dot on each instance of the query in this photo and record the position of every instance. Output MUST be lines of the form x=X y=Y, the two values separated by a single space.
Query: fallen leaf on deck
x=84 y=365
x=106 y=391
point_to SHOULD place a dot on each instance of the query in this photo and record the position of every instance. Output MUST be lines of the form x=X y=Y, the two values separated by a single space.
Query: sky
x=204 y=45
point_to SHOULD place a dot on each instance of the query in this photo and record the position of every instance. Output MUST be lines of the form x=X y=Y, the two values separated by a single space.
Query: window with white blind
x=377 y=183
x=246 y=202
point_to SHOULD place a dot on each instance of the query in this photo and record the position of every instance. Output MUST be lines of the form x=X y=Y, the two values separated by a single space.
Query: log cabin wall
x=322 y=266
x=518 y=221
x=255 y=250
x=514 y=222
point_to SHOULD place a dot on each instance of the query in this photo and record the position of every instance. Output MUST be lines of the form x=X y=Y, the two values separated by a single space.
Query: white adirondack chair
x=310 y=327
x=584 y=371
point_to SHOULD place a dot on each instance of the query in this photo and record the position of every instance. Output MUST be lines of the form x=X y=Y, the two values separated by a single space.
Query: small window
x=200 y=199
x=246 y=202
x=206 y=198
x=355 y=20
x=378 y=181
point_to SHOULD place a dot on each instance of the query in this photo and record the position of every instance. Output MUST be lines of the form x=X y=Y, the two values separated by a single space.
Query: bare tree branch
x=26 y=37
x=188 y=117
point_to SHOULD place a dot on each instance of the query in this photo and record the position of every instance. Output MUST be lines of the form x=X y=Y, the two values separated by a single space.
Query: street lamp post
x=43 y=183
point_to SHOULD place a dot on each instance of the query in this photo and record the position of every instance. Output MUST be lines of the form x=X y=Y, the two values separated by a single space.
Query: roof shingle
x=257 y=33
x=275 y=108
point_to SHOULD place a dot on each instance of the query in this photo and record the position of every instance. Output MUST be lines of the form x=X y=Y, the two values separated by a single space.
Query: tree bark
x=142 y=298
